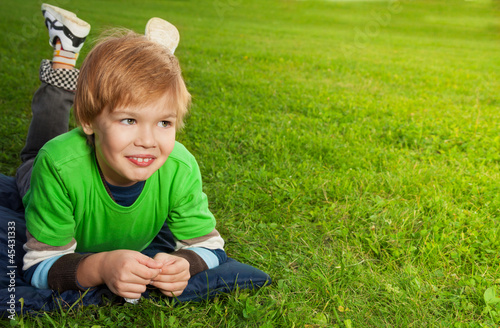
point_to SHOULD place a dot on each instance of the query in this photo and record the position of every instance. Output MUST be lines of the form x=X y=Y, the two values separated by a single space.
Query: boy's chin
x=143 y=177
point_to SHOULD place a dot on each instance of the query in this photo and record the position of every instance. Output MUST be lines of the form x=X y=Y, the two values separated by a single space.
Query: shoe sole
x=163 y=32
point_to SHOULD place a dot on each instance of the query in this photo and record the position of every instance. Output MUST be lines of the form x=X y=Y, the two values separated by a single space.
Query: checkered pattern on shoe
x=62 y=78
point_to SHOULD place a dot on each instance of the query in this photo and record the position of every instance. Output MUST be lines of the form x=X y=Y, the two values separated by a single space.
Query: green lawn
x=349 y=149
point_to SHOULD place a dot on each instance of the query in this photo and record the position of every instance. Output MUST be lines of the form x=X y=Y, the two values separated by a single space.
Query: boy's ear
x=87 y=128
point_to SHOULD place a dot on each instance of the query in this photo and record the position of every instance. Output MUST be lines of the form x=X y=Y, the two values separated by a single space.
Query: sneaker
x=162 y=32
x=65 y=26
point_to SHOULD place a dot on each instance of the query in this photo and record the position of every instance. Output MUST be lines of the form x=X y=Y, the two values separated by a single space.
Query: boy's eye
x=164 y=124
x=128 y=121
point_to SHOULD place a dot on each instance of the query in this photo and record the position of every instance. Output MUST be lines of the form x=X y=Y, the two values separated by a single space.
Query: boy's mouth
x=141 y=160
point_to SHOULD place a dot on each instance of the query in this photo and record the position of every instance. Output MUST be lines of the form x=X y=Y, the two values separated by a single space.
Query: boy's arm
x=190 y=220
x=210 y=248
x=40 y=258
x=125 y=272
x=49 y=221
x=212 y=240
x=51 y=267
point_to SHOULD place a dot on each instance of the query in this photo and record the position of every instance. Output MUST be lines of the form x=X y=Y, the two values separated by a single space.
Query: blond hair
x=126 y=69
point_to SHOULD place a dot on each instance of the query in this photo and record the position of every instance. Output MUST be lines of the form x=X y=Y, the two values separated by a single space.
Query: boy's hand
x=126 y=273
x=174 y=274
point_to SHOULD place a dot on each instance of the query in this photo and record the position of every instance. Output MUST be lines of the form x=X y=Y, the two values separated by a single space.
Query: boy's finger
x=145 y=273
x=167 y=286
x=172 y=278
x=164 y=258
x=131 y=291
x=175 y=268
x=149 y=262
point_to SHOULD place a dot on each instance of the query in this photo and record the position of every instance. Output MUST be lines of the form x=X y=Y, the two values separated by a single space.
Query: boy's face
x=131 y=143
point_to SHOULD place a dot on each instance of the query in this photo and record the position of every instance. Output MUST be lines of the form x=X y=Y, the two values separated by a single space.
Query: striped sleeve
x=213 y=240
x=40 y=257
x=208 y=247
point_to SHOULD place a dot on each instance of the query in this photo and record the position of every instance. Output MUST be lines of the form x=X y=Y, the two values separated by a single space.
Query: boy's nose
x=145 y=138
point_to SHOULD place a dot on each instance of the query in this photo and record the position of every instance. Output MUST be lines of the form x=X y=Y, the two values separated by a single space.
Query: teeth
x=140 y=159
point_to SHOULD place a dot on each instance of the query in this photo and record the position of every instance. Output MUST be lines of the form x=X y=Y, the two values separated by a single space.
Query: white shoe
x=65 y=26
x=163 y=32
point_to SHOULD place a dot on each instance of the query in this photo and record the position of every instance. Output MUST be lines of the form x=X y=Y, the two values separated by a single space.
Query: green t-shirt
x=67 y=199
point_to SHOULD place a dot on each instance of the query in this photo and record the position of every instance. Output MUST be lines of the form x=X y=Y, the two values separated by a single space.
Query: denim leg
x=51 y=107
x=23 y=177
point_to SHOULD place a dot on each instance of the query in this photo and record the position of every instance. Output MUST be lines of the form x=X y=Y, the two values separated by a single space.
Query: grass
x=349 y=149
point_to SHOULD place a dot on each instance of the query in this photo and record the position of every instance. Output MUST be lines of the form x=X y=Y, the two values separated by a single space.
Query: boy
x=117 y=201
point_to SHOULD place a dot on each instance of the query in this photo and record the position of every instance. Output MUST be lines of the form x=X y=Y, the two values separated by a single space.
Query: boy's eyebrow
x=171 y=115
x=123 y=112
x=133 y=114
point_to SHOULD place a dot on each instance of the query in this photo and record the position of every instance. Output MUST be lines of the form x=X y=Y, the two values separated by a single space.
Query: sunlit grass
x=356 y=163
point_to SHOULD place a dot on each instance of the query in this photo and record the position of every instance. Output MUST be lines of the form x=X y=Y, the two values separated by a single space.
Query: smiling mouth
x=141 y=161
